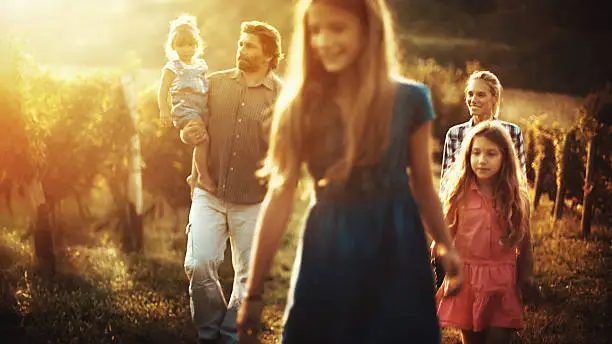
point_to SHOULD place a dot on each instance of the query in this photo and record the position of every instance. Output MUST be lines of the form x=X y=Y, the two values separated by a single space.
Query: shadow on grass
x=576 y=280
x=10 y=321
x=78 y=305
x=166 y=276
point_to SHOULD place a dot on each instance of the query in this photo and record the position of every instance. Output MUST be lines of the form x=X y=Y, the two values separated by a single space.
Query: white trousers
x=211 y=222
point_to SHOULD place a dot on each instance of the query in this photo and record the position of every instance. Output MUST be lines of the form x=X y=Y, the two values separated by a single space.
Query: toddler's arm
x=162 y=96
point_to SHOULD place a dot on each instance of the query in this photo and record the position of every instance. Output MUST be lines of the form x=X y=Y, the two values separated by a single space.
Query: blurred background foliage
x=65 y=123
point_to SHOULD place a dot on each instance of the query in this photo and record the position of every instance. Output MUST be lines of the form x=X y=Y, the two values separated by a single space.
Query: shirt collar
x=473 y=186
x=268 y=81
x=470 y=123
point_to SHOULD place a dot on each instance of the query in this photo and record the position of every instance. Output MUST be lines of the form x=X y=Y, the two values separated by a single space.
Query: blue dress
x=364 y=273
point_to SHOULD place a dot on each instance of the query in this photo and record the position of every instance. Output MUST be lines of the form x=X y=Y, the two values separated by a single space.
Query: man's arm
x=266 y=124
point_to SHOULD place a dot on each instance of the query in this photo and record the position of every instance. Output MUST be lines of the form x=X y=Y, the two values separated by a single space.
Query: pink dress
x=489 y=296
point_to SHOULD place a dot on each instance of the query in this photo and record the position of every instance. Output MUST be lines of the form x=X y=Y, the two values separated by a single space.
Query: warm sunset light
x=68 y=32
x=256 y=171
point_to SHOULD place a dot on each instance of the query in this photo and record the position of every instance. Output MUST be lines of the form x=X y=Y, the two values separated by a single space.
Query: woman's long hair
x=307 y=84
x=509 y=193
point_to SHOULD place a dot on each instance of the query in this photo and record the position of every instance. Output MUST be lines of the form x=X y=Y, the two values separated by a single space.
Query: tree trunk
x=587 y=206
x=43 y=238
x=561 y=179
x=539 y=184
x=133 y=232
x=83 y=209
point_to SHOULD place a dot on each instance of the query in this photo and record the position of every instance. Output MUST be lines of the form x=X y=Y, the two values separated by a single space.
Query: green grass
x=103 y=296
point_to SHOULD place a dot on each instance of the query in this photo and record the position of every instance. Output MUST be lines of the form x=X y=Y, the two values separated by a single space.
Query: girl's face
x=479 y=99
x=485 y=158
x=185 y=51
x=336 y=36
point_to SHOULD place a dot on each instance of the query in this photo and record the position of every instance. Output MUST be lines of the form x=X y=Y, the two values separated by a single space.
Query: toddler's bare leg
x=193 y=177
x=200 y=165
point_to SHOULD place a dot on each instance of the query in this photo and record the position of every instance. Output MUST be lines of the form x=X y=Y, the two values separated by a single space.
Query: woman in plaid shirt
x=483 y=98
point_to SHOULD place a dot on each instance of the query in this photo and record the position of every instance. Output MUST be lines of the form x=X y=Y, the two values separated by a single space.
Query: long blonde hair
x=307 y=83
x=183 y=29
x=510 y=196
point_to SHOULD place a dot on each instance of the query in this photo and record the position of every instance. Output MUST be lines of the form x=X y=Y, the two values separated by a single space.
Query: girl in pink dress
x=487 y=207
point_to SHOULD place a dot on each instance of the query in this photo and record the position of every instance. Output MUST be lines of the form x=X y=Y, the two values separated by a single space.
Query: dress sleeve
x=424 y=110
x=171 y=66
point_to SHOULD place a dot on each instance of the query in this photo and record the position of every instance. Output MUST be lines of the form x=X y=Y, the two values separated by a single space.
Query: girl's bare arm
x=423 y=187
x=271 y=226
x=162 y=95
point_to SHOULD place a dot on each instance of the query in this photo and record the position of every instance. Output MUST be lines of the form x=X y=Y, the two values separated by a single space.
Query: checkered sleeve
x=447 y=154
x=519 y=144
x=520 y=148
x=451 y=145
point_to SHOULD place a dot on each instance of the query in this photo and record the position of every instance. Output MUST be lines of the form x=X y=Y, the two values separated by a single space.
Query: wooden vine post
x=587 y=205
x=561 y=174
x=598 y=110
x=132 y=219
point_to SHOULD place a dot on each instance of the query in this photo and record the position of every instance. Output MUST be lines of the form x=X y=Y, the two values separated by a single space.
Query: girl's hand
x=433 y=249
x=249 y=319
x=454 y=272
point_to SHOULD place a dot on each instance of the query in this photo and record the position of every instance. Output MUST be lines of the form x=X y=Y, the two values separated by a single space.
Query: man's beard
x=246 y=65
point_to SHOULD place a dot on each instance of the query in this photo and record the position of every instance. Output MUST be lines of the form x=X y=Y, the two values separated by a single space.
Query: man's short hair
x=270 y=39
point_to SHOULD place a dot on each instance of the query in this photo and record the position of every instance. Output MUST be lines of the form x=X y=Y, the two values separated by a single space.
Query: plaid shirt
x=455 y=136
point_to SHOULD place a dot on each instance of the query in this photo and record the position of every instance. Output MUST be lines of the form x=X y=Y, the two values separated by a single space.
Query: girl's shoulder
x=414 y=99
x=174 y=66
x=410 y=88
x=200 y=62
x=177 y=66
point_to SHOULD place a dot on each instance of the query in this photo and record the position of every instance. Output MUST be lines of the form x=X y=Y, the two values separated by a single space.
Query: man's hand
x=165 y=119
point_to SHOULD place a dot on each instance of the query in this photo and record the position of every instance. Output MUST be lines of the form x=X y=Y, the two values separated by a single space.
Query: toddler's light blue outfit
x=188 y=91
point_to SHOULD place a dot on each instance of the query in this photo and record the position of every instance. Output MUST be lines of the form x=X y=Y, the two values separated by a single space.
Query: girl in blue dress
x=363 y=273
